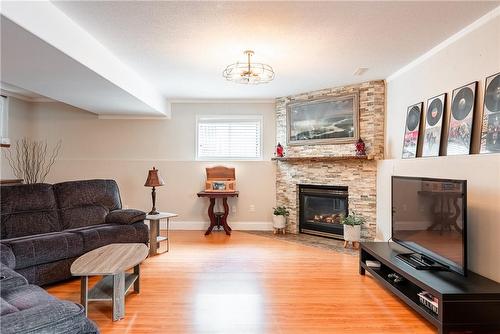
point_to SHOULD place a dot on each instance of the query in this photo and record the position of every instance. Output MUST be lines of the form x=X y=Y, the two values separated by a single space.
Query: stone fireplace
x=333 y=167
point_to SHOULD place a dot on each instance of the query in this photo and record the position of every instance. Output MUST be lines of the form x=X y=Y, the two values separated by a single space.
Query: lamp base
x=153 y=212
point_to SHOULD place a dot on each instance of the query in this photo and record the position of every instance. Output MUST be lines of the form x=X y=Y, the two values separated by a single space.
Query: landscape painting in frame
x=490 y=134
x=461 y=119
x=412 y=129
x=329 y=120
x=433 y=125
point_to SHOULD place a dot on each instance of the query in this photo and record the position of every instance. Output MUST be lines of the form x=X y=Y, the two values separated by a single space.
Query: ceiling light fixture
x=249 y=73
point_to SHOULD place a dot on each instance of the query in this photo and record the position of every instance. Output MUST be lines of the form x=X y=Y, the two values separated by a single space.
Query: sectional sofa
x=43 y=229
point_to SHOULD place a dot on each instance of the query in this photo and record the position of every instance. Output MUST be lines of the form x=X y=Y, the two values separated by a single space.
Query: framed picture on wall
x=433 y=125
x=461 y=119
x=412 y=129
x=490 y=133
x=330 y=120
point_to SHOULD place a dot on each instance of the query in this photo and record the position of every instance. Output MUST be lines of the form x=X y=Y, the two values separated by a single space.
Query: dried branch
x=30 y=160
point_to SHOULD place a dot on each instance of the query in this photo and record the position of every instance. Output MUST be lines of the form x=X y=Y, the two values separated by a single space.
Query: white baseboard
x=203 y=225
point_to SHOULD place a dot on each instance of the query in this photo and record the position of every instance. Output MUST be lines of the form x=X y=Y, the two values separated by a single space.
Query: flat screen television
x=429 y=217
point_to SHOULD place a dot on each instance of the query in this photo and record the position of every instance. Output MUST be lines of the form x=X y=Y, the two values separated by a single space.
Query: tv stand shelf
x=470 y=304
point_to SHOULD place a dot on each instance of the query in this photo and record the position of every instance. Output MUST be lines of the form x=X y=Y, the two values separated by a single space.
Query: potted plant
x=352 y=228
x=279 y=218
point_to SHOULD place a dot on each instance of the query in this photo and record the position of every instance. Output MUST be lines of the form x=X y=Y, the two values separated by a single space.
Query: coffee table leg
x=84 y=290
x=118 y=296
x=137 y=283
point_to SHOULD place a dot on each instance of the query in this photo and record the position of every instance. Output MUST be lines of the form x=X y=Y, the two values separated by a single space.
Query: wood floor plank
x=246 y=283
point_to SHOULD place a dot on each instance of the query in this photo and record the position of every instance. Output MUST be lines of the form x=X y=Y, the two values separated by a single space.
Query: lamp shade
x=154 y=179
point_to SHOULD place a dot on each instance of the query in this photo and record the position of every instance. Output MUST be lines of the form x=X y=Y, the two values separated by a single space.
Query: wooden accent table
x=212 y=196
x=154 y=231
x=111 y=261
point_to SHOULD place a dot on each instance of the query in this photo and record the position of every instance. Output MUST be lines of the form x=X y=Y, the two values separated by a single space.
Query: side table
x=154 y=231
x=212 y=196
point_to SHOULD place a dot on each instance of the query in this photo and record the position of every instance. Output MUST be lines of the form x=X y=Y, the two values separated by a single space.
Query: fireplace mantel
x=323 y=158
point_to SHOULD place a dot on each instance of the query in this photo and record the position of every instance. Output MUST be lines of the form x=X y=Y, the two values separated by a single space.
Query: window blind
x=237 y=138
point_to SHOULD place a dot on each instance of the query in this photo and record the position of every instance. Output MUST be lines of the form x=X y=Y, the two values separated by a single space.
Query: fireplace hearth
x=321 y=208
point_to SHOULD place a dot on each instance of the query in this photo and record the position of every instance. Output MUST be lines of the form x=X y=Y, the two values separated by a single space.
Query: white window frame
x=258 y=118
x=4 y=121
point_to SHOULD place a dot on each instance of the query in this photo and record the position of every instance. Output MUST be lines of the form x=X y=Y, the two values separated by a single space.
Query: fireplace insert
x=321 y=208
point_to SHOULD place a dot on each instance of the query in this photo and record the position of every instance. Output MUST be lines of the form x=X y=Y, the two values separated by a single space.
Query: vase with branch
x=31 y=160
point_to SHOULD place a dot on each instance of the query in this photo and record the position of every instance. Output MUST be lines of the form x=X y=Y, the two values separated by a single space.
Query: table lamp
x=153 y=180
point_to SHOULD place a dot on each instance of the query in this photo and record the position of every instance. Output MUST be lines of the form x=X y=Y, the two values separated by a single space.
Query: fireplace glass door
x=322 y=208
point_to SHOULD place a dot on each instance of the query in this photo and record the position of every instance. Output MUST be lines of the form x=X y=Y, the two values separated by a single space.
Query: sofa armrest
x=54 y=317
x=7 y=256
x=125 y=217
x=10 y=279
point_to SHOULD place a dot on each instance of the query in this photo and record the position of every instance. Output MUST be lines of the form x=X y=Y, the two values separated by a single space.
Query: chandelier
x=249 y=73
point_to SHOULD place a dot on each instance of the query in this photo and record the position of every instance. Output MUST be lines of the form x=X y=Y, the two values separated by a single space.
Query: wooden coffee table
x=111 y=261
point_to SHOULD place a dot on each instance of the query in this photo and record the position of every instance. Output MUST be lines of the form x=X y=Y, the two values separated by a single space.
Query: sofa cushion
x=28 y=209
x=6 y=307
x=54 y=317
x=86 y=203
x=98 y=236
x=26 y=296
x=44 y=248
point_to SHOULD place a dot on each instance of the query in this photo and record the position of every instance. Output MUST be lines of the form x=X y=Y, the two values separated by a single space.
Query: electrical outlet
x=251 y=208
x=125 y=207
x=233 y=209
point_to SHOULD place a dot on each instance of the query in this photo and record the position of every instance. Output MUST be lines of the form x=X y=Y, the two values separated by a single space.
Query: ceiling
x=135 y=58
x=182 y=47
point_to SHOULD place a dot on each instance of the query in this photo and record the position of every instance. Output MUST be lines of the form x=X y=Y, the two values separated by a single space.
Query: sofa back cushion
x=28 y=209
x=86 y=203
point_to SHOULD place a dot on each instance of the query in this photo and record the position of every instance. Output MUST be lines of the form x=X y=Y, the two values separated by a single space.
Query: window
x=229 y=138
x=4 y=121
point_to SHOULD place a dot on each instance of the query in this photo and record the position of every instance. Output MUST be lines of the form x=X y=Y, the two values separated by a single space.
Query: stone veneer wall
x=359 y=175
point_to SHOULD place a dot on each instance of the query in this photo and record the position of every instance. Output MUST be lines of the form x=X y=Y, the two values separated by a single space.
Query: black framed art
x=461 y=119
x=433 y=125
x=412 y=130
x=490 y=133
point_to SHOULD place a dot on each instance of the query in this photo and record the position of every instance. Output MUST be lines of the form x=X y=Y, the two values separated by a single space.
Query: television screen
x=429 y=217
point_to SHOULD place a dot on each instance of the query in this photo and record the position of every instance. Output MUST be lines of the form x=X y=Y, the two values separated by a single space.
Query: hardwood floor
x=246 y=283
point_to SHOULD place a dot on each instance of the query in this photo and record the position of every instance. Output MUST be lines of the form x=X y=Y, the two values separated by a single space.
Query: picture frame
x=326 y=120
x=490 y=125
x=433 y=125
x=219 y=185
x=461 y=119
x=412 y=130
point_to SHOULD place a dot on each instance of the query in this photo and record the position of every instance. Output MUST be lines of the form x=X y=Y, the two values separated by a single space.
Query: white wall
x=472 y=57
x=126 y=149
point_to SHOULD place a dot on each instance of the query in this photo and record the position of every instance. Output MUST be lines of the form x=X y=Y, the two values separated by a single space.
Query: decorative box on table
x=220 y=179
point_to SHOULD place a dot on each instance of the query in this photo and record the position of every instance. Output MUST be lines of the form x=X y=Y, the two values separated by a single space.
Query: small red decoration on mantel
x=360 y=148
x=279 y=150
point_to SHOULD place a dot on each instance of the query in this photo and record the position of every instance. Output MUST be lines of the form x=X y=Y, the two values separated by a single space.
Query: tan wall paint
x=472 y=57
x=125 y=149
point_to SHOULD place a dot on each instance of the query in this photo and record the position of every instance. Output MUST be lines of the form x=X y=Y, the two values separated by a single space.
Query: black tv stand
x=468 y=304
x=421 y=262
